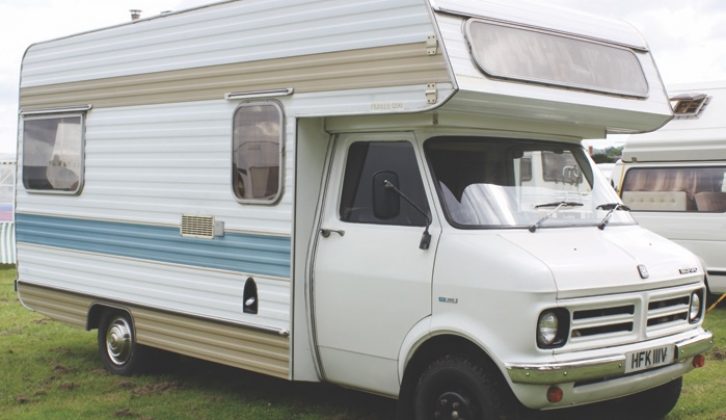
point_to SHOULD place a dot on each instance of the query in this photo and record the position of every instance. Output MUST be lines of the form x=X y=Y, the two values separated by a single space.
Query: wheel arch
x=98 y=309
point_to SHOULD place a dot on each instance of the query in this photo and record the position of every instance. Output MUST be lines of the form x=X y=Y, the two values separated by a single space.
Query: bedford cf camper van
x=674 y=179
x=386 y=195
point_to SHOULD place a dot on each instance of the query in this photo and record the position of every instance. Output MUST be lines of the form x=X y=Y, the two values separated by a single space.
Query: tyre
x=455 y=387
x=653 y=404
x=117 y=345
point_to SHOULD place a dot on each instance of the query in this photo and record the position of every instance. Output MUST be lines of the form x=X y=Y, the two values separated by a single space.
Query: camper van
x=390 y=196
x=674 y=179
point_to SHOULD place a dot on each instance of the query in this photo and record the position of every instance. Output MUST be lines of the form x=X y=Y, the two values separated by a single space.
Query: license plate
x=650 y=358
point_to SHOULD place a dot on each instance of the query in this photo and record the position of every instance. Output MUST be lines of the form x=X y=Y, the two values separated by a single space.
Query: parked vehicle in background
x=386 y=195
x=607 y=170
x=675 y=178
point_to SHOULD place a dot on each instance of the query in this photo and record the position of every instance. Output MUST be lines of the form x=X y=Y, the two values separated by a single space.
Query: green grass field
x=51 y=371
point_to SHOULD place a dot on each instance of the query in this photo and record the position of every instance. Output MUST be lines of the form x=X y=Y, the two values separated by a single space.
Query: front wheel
x=454 y=387
x=654 y=404
x=117 y=345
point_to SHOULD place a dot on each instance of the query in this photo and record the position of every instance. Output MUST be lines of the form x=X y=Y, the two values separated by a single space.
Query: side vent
x=201 y=227
x=689 y=106
x=250 y=297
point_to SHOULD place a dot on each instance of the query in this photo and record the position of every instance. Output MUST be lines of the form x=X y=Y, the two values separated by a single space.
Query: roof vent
x=689 y=106
x=135 y=14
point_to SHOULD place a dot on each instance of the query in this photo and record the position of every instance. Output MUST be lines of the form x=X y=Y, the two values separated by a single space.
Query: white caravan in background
x=674 y=179
x=386 y=195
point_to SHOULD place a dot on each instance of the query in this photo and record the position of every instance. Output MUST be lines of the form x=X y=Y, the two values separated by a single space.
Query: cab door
x=371 y=274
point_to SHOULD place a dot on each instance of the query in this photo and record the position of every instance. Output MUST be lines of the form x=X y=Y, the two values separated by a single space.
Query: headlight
x=694 y=311
x=553 y=328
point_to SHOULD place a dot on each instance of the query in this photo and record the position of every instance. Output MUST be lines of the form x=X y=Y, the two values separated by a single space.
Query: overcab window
x=257 y=153
x=53 y=153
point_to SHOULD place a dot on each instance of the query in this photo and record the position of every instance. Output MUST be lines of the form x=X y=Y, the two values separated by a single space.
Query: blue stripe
x=252 y=254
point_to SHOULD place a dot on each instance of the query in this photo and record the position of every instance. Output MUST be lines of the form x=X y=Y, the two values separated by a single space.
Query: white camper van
x=386 y=195
x=674 y=179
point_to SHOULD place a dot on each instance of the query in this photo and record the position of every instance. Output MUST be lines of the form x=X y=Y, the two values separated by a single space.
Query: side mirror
x=386 y=202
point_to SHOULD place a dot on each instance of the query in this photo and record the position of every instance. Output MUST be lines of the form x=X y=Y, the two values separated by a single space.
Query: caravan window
x=257 y=153
x=53 y=153
x=676 y=189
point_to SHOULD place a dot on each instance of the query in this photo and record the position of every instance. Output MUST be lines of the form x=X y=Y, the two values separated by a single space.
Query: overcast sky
x=688 y=38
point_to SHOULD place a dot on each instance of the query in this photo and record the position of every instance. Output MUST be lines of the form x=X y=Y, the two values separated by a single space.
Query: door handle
x=326 y=232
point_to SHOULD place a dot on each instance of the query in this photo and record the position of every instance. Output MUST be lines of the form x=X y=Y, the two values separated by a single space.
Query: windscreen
x=497 y=182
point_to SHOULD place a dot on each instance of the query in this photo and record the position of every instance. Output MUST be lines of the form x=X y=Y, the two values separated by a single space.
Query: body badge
x=643 y=271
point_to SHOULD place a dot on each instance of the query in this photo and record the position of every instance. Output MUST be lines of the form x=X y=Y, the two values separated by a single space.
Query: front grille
x=668 y=312
x=617 y=319
x=612 y=320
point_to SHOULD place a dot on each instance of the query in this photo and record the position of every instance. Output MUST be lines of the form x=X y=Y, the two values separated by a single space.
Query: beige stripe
x=228 y=344
x=65 y=307
x=365 y=68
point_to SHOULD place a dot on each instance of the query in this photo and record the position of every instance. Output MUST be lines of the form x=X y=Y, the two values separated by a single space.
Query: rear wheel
x=454 y=387
x=117 y=345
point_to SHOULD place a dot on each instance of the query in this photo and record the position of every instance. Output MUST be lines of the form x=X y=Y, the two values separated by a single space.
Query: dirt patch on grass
x=155 y=389
x=718 y=353
x=21 y=399
x=68 y=386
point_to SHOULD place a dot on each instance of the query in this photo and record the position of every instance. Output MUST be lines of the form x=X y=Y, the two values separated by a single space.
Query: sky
x=687 y=38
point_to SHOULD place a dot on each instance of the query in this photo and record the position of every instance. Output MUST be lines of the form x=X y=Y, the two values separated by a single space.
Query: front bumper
x=593 y=369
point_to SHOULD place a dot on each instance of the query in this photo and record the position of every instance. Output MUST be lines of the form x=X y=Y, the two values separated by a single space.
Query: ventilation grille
x=198 y=226
x=689 y=106
x=590 y=323
x=668 y=312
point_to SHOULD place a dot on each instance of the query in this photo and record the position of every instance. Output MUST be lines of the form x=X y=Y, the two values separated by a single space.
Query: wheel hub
x=454 y=406
x=118 y=341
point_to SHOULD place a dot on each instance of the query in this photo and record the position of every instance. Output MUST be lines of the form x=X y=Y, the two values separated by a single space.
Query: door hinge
x=432 y=94
x=432 y=45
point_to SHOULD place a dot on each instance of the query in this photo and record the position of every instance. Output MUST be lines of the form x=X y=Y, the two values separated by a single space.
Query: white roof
x=550 y=17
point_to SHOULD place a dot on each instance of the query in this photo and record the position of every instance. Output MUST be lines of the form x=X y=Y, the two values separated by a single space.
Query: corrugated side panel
x=216 y=294
x=227 y=33
x=7 y=243
x=246 y=254
x=151 y=164
x=229 y=344
x=69 y=308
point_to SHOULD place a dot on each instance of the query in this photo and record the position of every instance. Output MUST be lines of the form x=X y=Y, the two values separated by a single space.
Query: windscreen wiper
x=557 y=206
x=610 y=207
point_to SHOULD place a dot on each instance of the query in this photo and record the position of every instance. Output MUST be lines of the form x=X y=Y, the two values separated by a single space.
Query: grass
x=51 y=371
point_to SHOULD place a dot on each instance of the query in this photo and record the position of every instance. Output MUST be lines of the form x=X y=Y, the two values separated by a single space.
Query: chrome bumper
x=588 y=369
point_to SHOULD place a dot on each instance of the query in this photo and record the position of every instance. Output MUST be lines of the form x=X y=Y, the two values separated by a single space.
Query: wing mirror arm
x=426 y=237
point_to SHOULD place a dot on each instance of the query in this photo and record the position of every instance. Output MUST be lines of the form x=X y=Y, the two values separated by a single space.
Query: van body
x=355 y=192
x=674 y=179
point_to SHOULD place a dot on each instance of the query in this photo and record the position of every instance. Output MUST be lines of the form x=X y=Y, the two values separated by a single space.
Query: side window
x=257 y=153
x=683 y=189
x=368 y=159
x=53 y=153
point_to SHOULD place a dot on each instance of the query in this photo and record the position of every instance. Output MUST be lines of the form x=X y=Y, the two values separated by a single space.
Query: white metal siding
x=151 y=164
x=227 y=33
x=187 y=290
